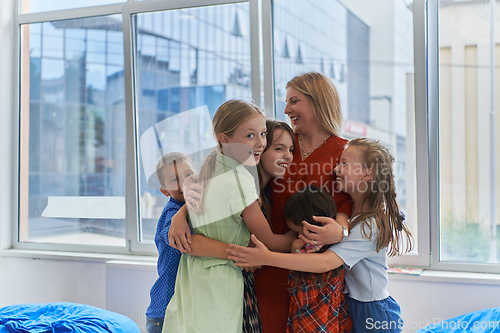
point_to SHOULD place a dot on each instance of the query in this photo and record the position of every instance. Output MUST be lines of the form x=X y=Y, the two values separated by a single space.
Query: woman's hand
x=329 y=233
x=244 y=257
x=179 y=235
x=192 y=192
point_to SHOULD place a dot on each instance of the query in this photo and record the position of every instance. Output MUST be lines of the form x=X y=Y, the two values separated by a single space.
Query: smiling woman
x=313 y=107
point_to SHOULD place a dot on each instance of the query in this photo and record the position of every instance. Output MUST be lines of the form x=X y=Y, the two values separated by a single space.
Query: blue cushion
x=484 y=321
x=63 y=317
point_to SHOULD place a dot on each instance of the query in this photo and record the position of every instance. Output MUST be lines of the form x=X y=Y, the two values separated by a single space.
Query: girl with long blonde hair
x=376 y=229
x=209 y=291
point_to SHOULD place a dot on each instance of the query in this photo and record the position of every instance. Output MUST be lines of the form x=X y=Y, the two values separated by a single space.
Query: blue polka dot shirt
x=168 y=261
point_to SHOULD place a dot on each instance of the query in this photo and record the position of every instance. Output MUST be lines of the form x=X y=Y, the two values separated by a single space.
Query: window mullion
x=424 y=169
x=267 y=49
x=433 y=114
x=131 y=170
x=255 y=51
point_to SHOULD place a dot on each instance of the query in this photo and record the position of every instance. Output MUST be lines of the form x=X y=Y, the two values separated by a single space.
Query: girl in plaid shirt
x=317 y=299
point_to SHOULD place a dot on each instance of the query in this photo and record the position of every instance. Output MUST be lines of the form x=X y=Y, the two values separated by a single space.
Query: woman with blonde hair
x=313 y=107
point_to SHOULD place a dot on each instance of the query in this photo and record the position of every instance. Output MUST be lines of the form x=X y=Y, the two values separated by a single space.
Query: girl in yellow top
x=209 y=291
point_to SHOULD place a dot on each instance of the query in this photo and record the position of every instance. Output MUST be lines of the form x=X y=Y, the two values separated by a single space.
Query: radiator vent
x=127 y=288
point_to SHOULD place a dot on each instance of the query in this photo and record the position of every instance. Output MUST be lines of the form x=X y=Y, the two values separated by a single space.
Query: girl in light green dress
x=209 y=291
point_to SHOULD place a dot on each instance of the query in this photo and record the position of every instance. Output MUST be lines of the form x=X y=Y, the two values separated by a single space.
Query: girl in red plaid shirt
x=317 y=299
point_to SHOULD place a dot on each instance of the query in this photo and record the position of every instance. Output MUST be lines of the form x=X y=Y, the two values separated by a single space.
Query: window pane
x=37 y=6
x=369 y=58
x=186 y=59
x=468 y=219
x=72 y=177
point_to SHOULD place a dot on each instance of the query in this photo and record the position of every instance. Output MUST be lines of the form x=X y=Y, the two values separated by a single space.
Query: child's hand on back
x=329 y=233
x=192 y=192
x=297 y=245
x=179 y=235
x=244 y=257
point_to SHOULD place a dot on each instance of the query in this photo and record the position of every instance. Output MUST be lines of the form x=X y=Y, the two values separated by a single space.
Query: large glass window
x=189 y=61
x=72 y=147
x=76 y=153
x=74 y=117
x=367 y=51
x=469 y=93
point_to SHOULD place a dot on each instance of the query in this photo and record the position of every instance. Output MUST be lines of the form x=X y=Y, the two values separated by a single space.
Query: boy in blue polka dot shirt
x=172 y=169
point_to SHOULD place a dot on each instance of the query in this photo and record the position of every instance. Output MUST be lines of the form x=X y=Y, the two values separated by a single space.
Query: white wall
x=424 y=302
x=27 y=280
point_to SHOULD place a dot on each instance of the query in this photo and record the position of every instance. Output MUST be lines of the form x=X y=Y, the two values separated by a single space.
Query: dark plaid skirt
x=251 y=314
x=318 y=307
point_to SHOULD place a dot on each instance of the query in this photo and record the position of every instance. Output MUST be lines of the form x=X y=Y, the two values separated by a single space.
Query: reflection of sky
x=96 y=76
x=110 y=70
x=35 y=45
x=52 y=46
x=74 y=44
x=147 y=45
x=52 y=69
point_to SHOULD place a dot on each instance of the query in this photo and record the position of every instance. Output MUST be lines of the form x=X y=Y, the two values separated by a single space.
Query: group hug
x=282 y=229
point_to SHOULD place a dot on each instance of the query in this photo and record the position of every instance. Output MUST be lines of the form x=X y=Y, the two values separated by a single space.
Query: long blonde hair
x=227 y=118
x=384 y=208
x=323 y=97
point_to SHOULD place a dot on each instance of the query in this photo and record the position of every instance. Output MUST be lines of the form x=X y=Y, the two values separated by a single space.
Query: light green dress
x=209 y=291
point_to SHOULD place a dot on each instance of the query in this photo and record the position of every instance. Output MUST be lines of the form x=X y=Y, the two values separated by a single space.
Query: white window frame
x=426 y=46
x=421 y=27
x=433 y=153
x=126 y=10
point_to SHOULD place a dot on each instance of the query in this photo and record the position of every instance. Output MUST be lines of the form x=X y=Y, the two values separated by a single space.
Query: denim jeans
x=154 y=325
x=382 y=316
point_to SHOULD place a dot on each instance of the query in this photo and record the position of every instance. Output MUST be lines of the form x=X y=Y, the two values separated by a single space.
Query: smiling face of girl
x=352 y=176
x=247 y=142
x=278 y=156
